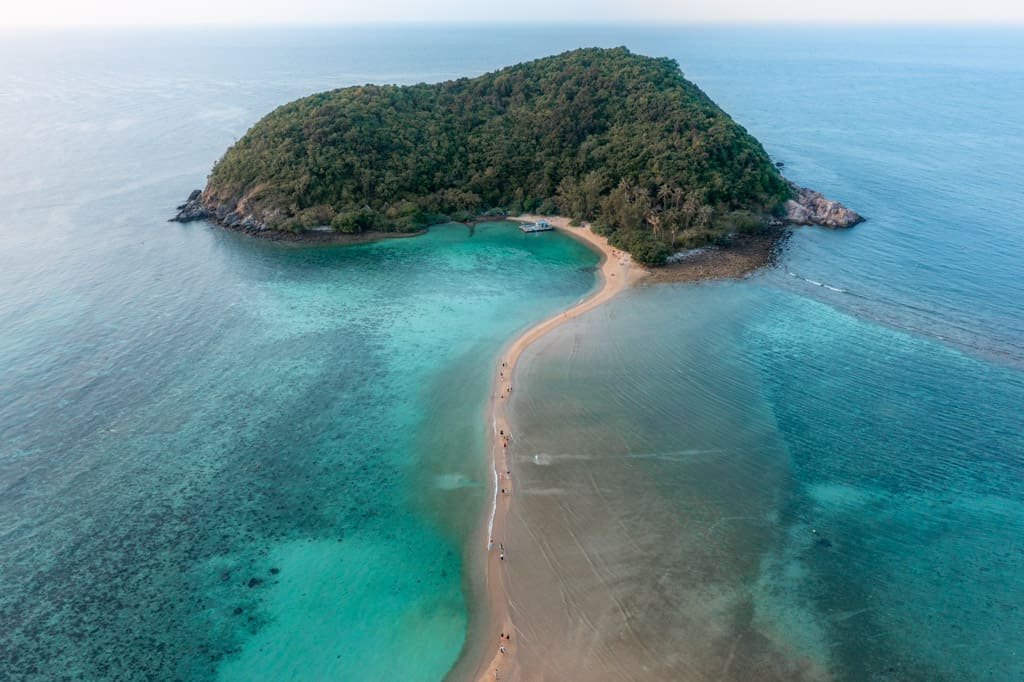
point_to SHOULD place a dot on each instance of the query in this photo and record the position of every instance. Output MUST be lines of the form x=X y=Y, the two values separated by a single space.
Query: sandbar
x=617 y=272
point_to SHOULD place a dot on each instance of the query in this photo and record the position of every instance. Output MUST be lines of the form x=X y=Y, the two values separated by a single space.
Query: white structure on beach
x=539 y=226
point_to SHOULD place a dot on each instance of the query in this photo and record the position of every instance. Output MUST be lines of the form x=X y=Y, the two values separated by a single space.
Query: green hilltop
x=602 y=135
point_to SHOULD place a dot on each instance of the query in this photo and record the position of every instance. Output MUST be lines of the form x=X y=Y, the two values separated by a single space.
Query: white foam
x=815 y=282
x=494 y=509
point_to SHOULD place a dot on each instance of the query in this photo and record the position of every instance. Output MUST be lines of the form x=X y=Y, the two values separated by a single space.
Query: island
x=614 y=149
x=620 y=141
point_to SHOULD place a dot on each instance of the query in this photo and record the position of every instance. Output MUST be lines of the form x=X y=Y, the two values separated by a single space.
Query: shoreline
x=486 y=577
x=315 y=237
x=743 y=254
x=480 y=660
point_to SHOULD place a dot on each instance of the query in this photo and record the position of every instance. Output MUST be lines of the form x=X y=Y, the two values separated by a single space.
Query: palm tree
x=690 y=208
x=704 y=215
x=665 y=193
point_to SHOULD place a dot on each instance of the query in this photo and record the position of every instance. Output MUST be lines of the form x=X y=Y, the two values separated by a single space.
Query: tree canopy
x=598 y=134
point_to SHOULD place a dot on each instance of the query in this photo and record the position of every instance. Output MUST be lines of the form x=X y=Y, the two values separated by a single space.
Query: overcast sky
x=106 y=12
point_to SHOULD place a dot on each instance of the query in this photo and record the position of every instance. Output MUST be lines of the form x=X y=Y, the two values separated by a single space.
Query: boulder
x=808 y=207
x=192 y=209
x=797 y=214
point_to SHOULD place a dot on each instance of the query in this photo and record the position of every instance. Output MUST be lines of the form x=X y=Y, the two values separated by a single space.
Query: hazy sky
x=93 y=12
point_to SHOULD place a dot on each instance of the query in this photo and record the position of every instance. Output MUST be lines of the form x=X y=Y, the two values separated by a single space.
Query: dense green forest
x=601 y=135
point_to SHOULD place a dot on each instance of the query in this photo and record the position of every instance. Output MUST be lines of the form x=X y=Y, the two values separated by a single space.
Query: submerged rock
x=808 y=207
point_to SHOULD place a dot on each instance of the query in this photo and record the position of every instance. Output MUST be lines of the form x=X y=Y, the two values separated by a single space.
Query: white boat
x=539 y=226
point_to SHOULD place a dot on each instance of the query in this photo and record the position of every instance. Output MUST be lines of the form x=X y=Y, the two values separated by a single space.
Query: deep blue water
x=183 y=409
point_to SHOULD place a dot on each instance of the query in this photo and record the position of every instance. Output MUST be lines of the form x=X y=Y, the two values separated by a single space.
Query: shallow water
x=765 y=488
x=249 y=473
x=146 y=369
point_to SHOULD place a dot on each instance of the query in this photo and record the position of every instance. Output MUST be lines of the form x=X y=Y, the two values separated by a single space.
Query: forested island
x=620 y=140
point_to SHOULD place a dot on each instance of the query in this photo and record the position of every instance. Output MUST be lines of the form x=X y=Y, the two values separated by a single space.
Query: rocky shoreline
x=807 y=207
x=744 y=255
x=196 y=207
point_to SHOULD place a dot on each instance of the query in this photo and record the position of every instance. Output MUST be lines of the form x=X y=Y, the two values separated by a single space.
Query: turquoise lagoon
x=267 y=473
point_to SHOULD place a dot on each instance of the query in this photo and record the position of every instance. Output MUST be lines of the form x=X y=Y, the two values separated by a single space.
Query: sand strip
x=617 y=272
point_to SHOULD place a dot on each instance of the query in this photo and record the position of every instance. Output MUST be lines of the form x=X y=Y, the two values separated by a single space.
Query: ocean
x=225 y=458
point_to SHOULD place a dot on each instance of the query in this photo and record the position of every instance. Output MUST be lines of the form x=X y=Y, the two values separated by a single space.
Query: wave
x=929 y=322
x=816 y=283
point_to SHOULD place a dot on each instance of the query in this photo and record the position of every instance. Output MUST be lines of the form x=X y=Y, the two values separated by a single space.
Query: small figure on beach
x=502 y=557
x=501 y=648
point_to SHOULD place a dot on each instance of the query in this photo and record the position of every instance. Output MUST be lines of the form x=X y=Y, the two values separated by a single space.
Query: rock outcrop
x=808 y=207
x=192 y=209
x=203 y=206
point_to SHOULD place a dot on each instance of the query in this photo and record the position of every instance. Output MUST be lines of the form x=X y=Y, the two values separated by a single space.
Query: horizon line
x=557 y=23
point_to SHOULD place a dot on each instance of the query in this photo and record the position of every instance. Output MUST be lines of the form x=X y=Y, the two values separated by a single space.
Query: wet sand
x=494 y=643
x=617 y=273
x=647 y=475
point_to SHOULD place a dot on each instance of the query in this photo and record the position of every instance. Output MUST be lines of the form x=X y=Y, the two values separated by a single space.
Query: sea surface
x=224 y=458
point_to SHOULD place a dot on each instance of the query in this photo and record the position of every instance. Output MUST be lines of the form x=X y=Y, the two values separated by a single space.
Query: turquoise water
x=261 y=460
x=183 y=410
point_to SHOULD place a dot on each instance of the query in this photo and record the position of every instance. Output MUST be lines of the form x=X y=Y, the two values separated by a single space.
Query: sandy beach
x=492 y=646
x=618 y=272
